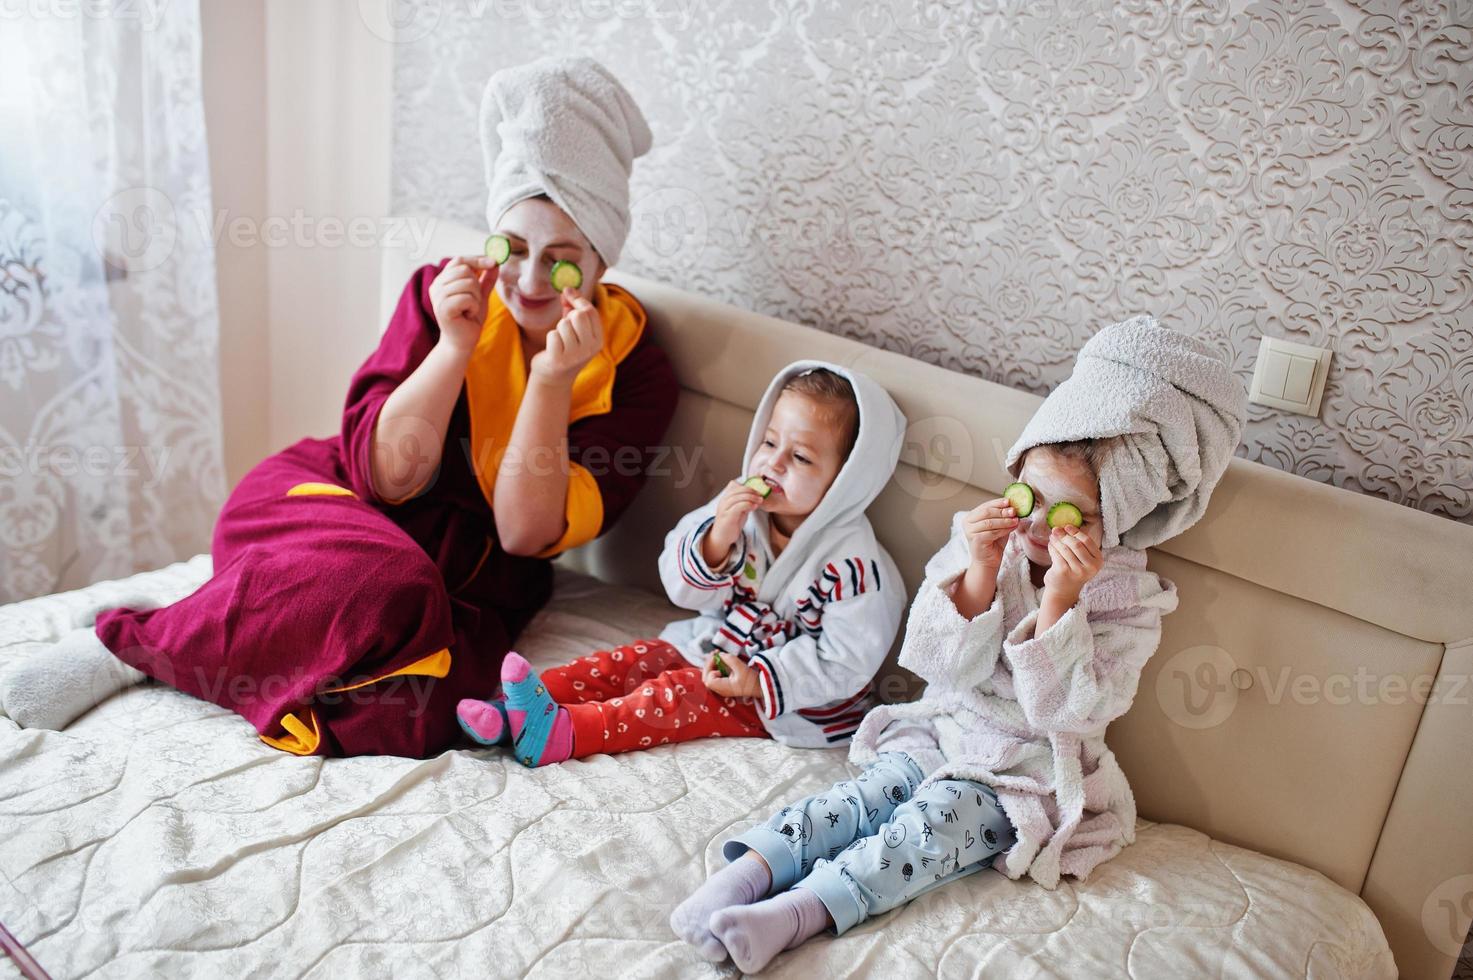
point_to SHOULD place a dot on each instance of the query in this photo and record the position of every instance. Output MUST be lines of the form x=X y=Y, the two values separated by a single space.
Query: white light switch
x=1289 y=376
x=1273 y=371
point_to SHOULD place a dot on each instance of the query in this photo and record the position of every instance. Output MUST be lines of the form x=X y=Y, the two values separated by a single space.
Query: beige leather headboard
x=1286 y=708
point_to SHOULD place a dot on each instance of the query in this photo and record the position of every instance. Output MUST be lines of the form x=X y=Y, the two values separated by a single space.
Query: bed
x=1283 y=835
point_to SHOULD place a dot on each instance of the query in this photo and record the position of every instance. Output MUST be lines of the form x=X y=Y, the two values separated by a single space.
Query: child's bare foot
x=741 y=882
x=754 y=934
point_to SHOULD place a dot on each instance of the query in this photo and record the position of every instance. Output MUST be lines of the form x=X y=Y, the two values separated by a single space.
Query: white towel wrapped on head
x=1178 y=410
x=564 y=127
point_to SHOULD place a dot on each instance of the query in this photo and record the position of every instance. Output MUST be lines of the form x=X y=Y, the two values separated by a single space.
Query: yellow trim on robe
x=325 y=489
x=496 y=380
x=584 y=512
x=300 y=739
x=303 y=738
x=436 y=664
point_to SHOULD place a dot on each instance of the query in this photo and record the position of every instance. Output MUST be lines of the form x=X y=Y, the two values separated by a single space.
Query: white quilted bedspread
x=159 y=836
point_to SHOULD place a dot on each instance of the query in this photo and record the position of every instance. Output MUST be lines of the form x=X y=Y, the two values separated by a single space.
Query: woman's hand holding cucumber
x=458 y=296
x=578 y=336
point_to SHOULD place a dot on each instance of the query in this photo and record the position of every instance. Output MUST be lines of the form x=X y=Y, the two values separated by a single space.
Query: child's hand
x=578 y=336
x=736 y=502
x=743 y=682
x=987 y=527
x=458 y=296
x=1076 y=560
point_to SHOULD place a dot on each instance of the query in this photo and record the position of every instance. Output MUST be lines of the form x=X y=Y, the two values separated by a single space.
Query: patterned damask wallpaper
x=983 y=185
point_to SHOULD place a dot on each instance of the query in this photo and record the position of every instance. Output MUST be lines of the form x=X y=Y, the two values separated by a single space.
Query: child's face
x=1055 y=478
x=799 y=454
x=541 y=233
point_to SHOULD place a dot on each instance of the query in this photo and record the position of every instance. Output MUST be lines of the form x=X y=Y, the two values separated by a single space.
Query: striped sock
x=526 y=694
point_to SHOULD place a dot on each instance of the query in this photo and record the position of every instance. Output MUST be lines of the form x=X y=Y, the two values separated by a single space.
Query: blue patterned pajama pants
x=871 y=844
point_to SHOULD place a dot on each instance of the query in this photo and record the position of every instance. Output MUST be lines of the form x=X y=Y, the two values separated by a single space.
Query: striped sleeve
x=689 y=581
x=693 y=567
x=839 y=721
x=772 y=692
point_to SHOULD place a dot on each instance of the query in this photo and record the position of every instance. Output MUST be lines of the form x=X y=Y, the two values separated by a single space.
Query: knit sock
x=485 y=721
x=525 y=693
x=741 y=882
x=52 y=685
x=754 y=934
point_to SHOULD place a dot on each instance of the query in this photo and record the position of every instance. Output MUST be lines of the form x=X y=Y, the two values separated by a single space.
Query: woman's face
x=1055 y=478
x=541 y=234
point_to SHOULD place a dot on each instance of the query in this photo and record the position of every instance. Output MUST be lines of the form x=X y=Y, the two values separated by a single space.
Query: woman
x=364 y=584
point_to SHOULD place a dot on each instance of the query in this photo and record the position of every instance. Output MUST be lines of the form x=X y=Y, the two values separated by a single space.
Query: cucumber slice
x=758 y=484
x=1064 y=513
x=498 y=247
x=721 y=667
x=566 y=275
x=1020 y=495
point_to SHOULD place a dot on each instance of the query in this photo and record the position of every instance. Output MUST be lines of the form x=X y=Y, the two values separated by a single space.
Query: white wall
x=298 y=104
x=329 y=92
x=234 y=53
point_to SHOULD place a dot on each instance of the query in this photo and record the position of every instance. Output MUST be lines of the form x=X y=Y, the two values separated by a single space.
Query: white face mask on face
x=1056 y=479
x=541 y=234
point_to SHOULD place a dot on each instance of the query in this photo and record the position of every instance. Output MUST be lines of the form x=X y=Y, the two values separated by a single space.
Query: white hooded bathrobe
x=816 y=621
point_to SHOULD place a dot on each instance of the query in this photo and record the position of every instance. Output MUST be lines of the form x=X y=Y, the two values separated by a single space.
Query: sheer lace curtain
x=110 y=432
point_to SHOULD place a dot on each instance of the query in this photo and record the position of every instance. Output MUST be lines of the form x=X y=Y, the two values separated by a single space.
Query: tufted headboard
x=1287 y=709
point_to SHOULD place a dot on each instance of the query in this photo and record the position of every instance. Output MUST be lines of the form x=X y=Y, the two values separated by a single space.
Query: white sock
x=741 y=882
x=754 y=934
x=49 y=686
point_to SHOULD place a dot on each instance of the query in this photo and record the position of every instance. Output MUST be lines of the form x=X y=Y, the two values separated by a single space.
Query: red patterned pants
x=644 y=694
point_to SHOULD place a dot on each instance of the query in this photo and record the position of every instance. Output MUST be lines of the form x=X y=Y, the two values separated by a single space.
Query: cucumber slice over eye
x=498 y=247
x=1064 y=513
x=721 y=667
x=566 y=275
x=758 y=484
x=1020 y=495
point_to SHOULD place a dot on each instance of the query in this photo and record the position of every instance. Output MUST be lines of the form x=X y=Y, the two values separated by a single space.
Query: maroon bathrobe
x=339 y=623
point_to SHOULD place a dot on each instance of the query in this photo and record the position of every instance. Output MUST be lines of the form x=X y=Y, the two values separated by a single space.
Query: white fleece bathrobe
x=1026 y=714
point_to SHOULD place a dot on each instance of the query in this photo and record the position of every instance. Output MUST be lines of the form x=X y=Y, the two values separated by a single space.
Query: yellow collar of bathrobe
x=496 y=378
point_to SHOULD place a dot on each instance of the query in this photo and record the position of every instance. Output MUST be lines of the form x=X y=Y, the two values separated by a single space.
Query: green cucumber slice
x=1020 y=495
x=1064 y=513
x=758 y=484
x=721 y=667
x=566 y=275
x=498 y=247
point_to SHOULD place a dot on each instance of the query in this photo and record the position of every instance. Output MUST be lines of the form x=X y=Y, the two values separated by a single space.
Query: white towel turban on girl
x=563 y=127
x=1178 y=410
